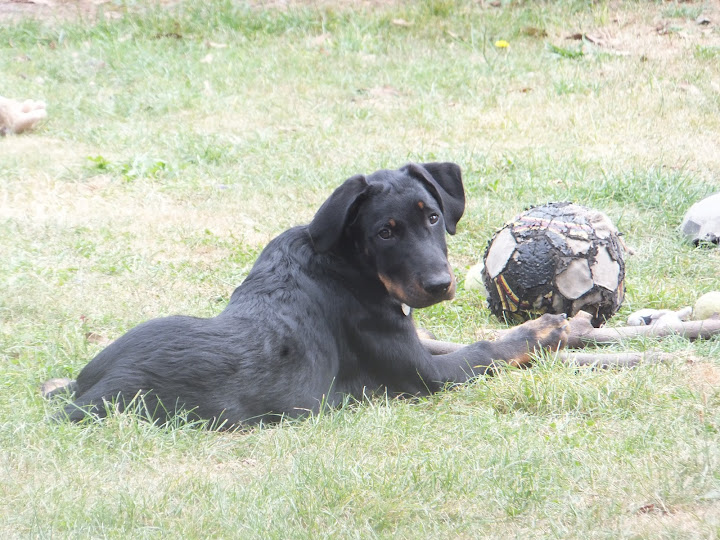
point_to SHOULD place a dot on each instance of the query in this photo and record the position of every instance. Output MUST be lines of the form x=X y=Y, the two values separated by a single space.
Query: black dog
x=322 y=315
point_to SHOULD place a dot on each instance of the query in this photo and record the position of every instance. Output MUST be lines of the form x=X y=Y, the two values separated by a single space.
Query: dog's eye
x=433 y=218
x=385 y=234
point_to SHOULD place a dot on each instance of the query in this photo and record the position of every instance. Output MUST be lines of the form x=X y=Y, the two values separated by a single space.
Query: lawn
x=183 y=136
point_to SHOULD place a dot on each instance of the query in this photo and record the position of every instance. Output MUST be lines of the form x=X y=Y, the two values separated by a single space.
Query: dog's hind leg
x=95 y=406
x=57 y=387
x=92 y=403
x=81 y=409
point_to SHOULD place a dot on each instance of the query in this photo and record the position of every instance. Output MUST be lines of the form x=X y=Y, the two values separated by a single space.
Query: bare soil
x=63 y=10
x=646 y=33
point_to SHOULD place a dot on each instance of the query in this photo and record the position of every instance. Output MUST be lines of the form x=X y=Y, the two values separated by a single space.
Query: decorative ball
x=701 y=223
x=555 y=258
x=707 y=305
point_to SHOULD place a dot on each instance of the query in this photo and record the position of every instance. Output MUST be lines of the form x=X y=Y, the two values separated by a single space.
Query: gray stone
x=702 y=221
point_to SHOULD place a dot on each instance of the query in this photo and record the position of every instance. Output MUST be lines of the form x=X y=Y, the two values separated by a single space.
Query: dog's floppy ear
x=445 y=182
x=329 y=222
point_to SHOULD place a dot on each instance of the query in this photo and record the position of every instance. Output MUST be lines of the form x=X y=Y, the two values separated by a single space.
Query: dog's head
x=394 y=223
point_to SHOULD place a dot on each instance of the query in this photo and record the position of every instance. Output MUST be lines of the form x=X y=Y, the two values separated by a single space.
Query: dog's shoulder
x=287 y=253
x=289 y=264
x=285 y=260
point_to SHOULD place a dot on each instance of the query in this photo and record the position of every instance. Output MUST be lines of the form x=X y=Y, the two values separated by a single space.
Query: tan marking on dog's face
x=414 y=296
x=453 y=285
x=392 y=288
x=421 y=205
x=392 y=222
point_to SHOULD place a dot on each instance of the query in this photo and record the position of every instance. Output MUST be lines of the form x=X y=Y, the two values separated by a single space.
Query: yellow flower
x=502 y=44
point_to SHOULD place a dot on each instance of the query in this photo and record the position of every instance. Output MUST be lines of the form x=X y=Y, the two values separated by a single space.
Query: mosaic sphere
x=555 y=258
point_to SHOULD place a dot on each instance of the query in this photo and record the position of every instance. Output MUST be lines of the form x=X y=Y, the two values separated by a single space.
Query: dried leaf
x=319 y=40
x=594 y=38
x=377 y=93
x=385 y=90
x=97 y=339
x=690 y=88
x=651 y=508
x=534 y=32
x=172 y=35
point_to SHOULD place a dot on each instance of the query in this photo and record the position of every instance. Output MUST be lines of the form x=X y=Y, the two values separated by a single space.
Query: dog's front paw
x=549 y=332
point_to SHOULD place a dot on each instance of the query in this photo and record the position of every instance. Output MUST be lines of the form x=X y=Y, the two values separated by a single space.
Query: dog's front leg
x=515 y=348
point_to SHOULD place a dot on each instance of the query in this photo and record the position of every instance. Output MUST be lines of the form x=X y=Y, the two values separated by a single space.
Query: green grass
x=181 y=139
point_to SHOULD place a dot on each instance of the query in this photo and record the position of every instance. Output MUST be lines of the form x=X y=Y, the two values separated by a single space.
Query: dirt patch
x=47 y=10
x=703 y=375
x=63 y=10
x=651 y=33
x=153 y=220
x=691 y=522
x=337 y=4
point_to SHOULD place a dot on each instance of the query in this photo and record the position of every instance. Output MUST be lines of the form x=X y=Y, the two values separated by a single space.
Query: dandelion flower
x=502 y=44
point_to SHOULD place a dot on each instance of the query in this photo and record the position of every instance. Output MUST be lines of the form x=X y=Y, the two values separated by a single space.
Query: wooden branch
x=615 y=360
x=583 y=333
x=597 y=360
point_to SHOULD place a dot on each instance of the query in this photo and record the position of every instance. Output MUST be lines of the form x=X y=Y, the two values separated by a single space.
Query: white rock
x=702 y=221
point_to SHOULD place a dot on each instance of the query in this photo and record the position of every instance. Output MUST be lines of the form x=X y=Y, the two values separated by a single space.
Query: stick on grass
x=582 y=333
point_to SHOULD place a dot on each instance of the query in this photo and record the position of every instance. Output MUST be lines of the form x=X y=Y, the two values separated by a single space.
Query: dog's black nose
x=437 y=285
